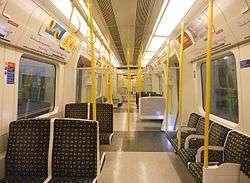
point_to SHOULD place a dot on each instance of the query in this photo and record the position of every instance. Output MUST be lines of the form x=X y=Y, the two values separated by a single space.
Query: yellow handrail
x=181 y=59
x=129 y=88
x=208 y=80
x=110 y=81
x=166 y=68
x=92 y=53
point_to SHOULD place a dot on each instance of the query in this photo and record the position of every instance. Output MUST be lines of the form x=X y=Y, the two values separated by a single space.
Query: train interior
x=124 y=91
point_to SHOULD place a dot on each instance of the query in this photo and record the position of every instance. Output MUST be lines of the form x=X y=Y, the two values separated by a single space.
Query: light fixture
x=64 y=6
x=173 y=14
x=148 y=55
x=156 y=43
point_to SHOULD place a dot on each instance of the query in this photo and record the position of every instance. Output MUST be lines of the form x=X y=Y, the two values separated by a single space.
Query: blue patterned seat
x=104 y=115
x=76 y=110
x=192 y=122
x=74 y=157
x=217 y=137
x=236 y=150
x=27 y=152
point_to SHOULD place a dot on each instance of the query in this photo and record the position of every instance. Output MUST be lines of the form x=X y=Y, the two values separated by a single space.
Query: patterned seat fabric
x=192 y=123
x=196 y=170
x=74 y=150
x=27 y=151
x=217 y=137
x=17 y=179
x=76 y=110
x=70 y=180
x=104 y=114
x=237 y=151
x=193 y=120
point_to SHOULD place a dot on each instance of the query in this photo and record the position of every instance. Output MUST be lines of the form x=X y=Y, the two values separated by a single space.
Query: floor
x=143 y=155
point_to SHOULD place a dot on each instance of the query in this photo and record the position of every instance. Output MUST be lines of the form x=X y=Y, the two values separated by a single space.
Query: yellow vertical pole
x=129 y=88
x=92 y=53
x=110 y=81
x=166 y=68
x=208 y=80
x=181 y=59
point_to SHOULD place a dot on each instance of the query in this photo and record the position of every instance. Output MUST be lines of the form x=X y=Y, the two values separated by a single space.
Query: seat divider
x=51 y=139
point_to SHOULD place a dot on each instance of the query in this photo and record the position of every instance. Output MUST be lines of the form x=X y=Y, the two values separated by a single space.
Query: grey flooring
x=141 y=155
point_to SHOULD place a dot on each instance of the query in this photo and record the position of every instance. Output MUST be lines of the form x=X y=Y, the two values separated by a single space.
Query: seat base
x=105 y=138
x=71 y=180
x=19 y=179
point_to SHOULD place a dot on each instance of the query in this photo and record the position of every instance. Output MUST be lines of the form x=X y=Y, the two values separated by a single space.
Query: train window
x=224 y=88
x=36 y=88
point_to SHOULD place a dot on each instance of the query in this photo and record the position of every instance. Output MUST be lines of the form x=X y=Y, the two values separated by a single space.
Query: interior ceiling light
x=172 y=16
x=148 y=55
x=65 y=7
x=156 y=43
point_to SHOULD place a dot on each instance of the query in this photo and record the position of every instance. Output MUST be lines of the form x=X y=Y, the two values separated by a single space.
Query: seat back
x=200 y=126
x=193 y=120
x=104 y=114
x=75 y=149
x=236 y=150
x=217 y=134
x=27 y=151
x=76 y=110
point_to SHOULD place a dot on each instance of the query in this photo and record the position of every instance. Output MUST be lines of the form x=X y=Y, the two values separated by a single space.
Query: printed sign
x=10 y=72
x=55 y=30
x=187 y=40
x=69 y=42
x=245 y=63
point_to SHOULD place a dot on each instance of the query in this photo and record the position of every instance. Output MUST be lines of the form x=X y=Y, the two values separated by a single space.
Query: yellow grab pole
x=110 y=80
x=166 y=68
x=129 y=88
x=92 y=53
x=181 y=59
x=139 y=76
x=208 y=80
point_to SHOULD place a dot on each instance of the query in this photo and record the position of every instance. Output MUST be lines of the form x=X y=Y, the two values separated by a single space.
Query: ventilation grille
x=144 y=8
x=109 y=17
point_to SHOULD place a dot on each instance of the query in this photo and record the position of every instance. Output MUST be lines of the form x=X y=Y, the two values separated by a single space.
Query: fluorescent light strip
x=172 y=16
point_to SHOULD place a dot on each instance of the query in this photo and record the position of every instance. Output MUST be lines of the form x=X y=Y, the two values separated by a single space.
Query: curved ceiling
x=127 y=23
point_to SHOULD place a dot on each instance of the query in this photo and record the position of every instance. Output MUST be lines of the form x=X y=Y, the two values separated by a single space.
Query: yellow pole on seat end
x=166 y=68
x=181 y=59
x=92 y=53
x=129 y=89
x=208 y=80
x=110 y=81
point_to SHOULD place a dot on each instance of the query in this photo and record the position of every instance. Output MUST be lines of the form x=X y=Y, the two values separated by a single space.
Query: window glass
x=36 y=88
x=224 y=88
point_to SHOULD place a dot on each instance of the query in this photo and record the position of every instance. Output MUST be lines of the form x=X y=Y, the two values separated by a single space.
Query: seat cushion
x=70 y=180
x=187 y=155
x=18 y=179
x=171 y=135
x=105 y=138
x=196 y=171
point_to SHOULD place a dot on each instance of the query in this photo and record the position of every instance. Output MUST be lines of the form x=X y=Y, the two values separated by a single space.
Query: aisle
x=142 y=156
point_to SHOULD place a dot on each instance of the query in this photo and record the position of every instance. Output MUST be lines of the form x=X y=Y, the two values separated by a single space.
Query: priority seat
x=185 y=130
x=26 y=159
x=217 y=136
x=76 y=110
x=236 y=151
x=104 y=115
x=75 y=151
x=198 y=132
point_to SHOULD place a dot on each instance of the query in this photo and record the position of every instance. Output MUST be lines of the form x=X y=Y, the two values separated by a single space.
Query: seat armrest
x=192 y=137
x=2 y=164
x=186 y=129
x=201 y=149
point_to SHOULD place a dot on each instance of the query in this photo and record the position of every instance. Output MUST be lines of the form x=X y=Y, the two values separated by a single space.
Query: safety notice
x=10 y=72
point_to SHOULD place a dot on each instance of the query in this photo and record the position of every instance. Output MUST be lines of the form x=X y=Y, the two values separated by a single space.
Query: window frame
x=41 y=60
x=235 y=122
